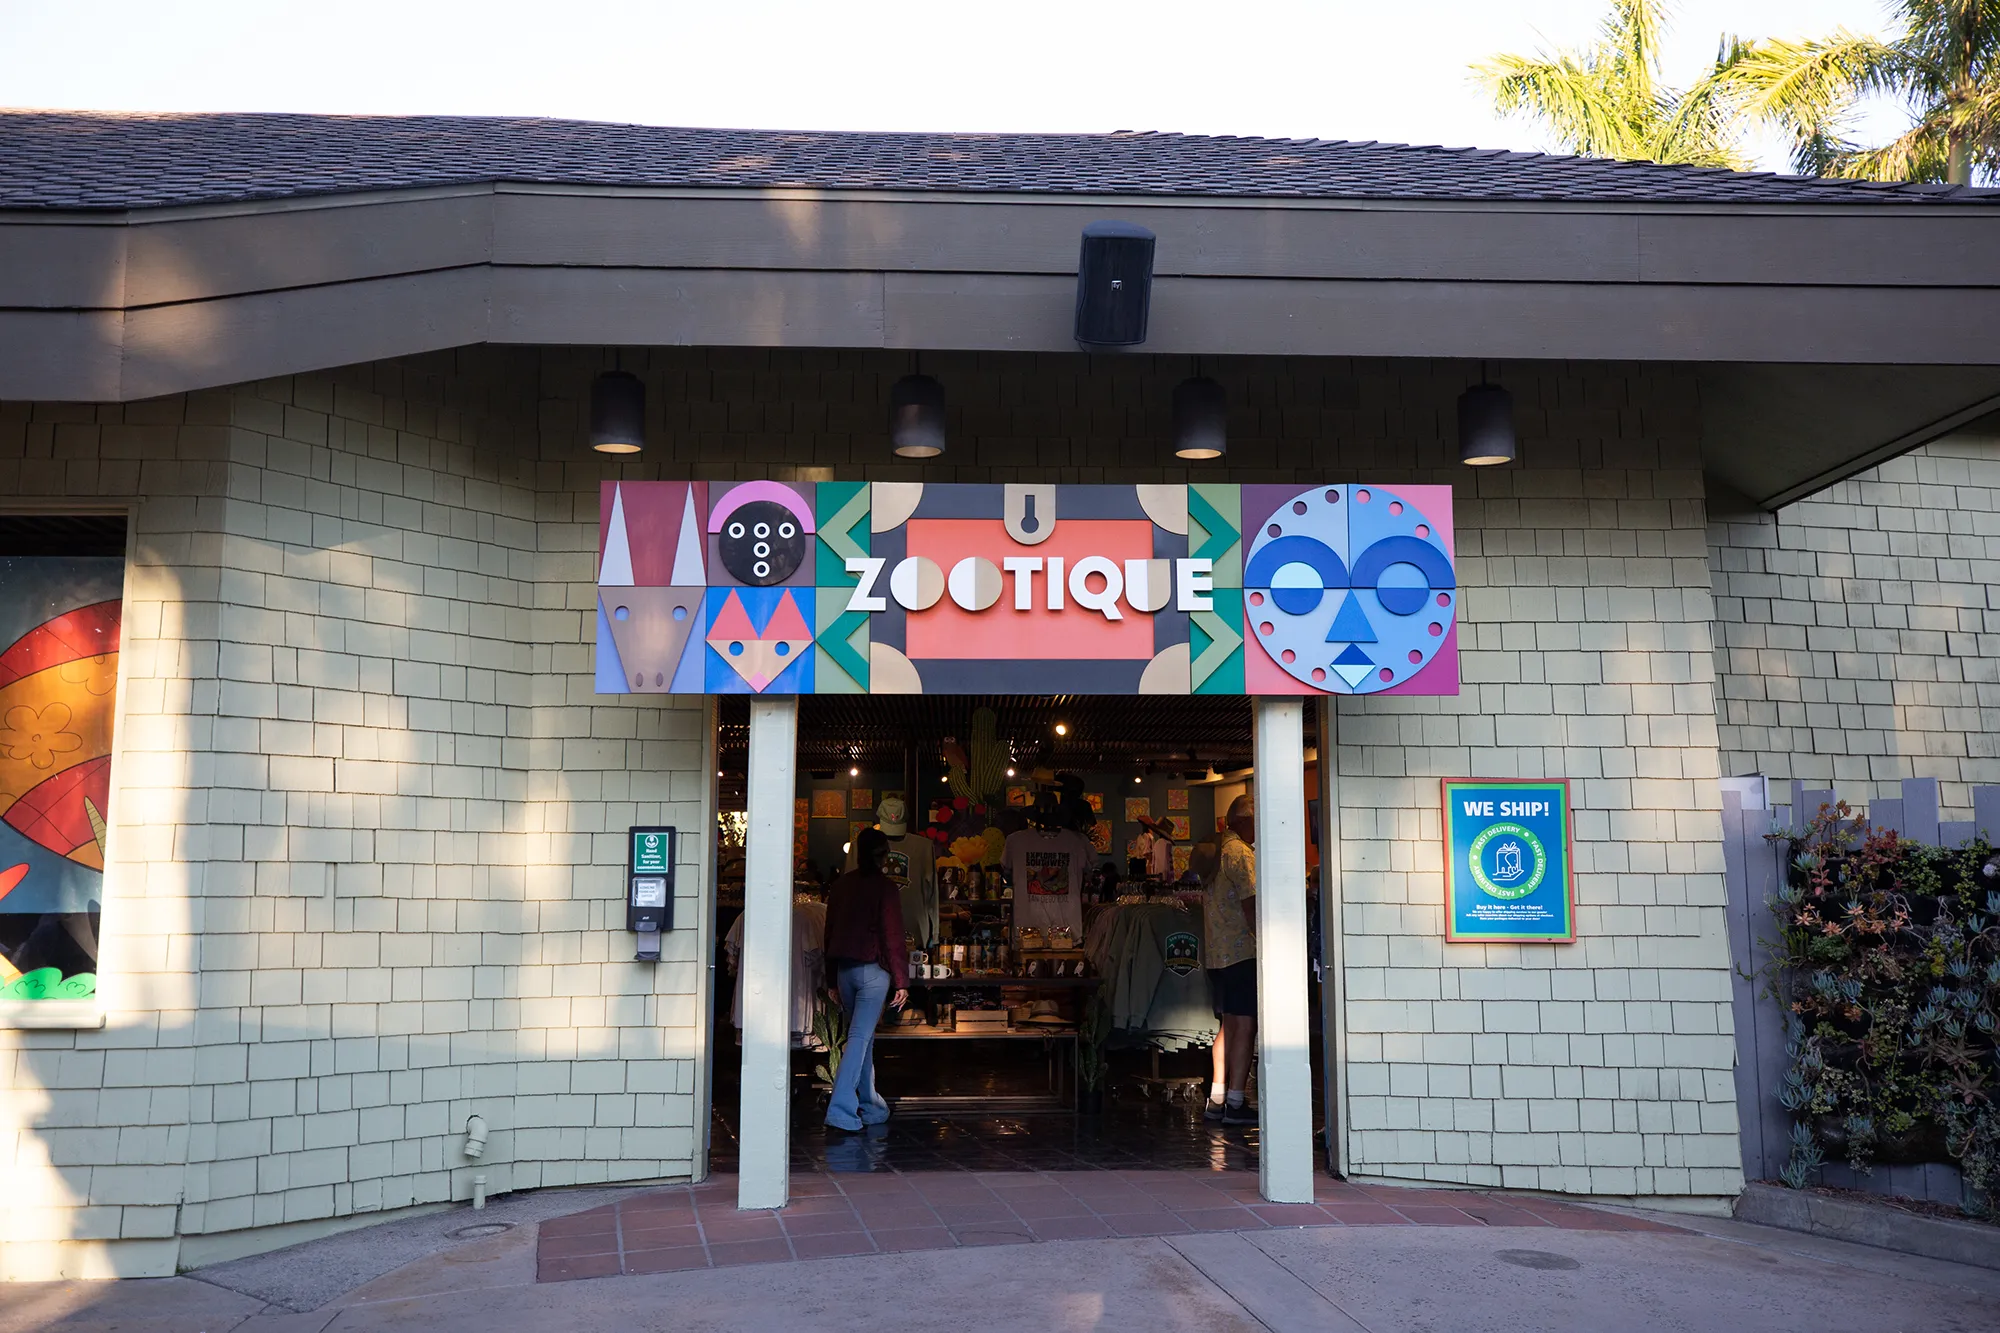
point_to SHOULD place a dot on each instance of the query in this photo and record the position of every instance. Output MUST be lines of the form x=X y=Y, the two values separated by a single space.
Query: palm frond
x=1696 y=129
x=1582 y=113
x=1630 y=46
x=1921 y=153
x=1801 y=82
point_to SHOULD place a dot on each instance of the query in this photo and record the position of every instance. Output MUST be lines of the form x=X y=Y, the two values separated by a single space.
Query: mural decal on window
x=59 y=630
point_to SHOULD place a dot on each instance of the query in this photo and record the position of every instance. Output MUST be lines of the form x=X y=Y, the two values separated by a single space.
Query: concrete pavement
x=1716 y=1274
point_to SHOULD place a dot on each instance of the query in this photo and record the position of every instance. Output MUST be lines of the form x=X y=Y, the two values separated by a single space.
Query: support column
x=1284 y=1033
x=764 y=1177
x=1333 y=939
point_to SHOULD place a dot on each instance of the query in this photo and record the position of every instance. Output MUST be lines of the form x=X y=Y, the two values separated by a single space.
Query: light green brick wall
x=369 y=818
x=367 y=854
x=1858 y=632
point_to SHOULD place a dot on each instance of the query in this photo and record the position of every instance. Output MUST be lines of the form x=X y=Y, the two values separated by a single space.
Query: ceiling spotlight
x=617 y=413
x=1486 y=426
x=1062 y=728
x=854 y=772
x=944 y=777
x=1010 y=772
x=1135 y=779
x=1201 y=419
x=916 y=417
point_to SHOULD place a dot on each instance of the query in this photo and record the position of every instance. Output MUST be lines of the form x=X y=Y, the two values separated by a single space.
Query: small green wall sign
x=652 y=851
x=1507 y=875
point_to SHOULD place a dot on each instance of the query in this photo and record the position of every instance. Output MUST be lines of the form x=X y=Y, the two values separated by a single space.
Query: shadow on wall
x=364 y=878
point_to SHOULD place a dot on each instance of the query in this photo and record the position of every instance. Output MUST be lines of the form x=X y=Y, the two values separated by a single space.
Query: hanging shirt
x=911 y=865
x=1232 y=887
x=1158 y=852
x=808 y=937
x=1159 y=988
x=1046 y=870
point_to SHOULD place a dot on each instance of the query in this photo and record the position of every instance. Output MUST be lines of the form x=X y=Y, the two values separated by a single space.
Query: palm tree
x=1608 y=100
x=1945 y=66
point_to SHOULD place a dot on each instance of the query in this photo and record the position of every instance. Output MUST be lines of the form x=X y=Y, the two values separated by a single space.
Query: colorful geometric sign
x=768 y=587
x=1507 y=863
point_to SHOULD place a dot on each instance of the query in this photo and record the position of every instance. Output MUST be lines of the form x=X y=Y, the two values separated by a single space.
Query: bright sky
x=1346 y=69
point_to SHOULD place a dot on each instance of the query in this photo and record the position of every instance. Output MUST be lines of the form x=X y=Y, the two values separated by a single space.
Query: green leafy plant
x=829 y=1030
x=1888 y=964
x=1092 y=1034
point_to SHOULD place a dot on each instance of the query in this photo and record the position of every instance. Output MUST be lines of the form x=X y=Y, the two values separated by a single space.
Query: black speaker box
x=1114 y=285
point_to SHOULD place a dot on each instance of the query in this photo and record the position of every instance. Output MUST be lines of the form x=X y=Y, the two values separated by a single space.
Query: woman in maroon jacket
x=866 y=961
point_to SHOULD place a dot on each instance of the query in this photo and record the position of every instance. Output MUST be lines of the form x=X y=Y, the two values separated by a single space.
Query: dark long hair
x=871 y=849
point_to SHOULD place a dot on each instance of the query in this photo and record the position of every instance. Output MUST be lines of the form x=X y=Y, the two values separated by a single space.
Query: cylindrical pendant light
x=617 y=413
x=916 y=417
x=1201 y=419
x=1486 y=426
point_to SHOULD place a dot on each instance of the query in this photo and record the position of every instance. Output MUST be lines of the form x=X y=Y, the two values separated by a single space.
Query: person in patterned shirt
x=1229 y=920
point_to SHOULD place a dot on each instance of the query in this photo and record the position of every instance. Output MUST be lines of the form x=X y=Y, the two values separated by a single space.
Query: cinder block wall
x=1858 y=632
x=366 y=875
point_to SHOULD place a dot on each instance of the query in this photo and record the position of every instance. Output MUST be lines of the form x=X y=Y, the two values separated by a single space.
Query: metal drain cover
x=1536 y=1259
x=481 y=1230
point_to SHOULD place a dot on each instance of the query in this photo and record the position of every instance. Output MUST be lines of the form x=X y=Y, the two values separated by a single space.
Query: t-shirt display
x=1046 y=870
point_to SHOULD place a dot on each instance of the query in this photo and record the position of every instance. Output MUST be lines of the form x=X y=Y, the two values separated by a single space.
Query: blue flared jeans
x=864 y=991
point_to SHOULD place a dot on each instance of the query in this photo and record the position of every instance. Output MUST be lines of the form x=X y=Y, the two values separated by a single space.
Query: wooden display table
x=1059 y=1043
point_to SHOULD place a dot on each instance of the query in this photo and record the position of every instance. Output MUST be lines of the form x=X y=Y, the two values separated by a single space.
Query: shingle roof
x=104 y=160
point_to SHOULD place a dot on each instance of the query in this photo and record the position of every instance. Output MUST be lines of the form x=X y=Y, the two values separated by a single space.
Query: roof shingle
x=107 y=160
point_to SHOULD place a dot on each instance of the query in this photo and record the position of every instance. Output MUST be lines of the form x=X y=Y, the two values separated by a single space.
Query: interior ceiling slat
x=1169 y=732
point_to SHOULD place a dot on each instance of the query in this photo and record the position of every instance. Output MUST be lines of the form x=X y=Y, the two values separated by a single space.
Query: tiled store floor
x=883 y=1212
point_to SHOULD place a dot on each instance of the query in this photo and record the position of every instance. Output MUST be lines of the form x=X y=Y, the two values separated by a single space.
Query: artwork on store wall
x=1100 y=837
x=60 y=624
x=1020 y=796
x=829 y=803
x=1138 y=808
x=1136 y=847
x=766 y=587
x=1180 y=828
x=1177 y=798
x=1183 y=856
x=861 y=798
x=1095 y=800
x=1507 y=861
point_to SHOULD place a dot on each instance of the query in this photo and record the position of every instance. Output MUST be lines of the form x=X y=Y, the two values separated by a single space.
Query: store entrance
x=1050 y=855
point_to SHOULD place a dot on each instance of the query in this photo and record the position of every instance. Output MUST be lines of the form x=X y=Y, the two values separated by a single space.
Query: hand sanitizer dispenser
x=649 y=887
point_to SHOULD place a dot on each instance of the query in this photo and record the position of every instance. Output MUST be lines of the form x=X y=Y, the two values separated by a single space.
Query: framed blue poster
x=1507 y=875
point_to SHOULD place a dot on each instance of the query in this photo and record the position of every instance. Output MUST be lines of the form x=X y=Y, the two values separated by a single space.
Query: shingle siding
x=369 y=883
x=1858 y=631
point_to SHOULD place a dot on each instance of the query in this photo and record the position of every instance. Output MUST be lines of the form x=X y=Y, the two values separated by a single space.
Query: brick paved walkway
x=699 y=1226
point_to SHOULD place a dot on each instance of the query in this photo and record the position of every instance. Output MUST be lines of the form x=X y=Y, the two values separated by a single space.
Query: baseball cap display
x=890 y=815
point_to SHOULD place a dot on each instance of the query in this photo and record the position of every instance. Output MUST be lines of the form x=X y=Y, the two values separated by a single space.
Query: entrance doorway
x=1051 y=853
